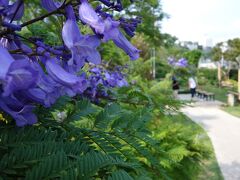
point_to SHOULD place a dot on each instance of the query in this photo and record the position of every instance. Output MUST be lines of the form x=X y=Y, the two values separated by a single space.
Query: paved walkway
x=224 y=132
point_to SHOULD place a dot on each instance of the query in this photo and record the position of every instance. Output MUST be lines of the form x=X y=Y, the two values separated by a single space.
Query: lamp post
x=223 y=48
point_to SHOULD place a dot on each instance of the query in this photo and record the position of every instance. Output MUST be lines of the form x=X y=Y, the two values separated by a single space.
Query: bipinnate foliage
x=120 y=139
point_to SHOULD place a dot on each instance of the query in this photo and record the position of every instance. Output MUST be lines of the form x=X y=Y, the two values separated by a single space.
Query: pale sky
x=199 y=20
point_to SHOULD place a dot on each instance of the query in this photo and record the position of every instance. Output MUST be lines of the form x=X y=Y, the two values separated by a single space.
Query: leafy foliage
x=120 y=139
x=207 y=76
x=193 y=56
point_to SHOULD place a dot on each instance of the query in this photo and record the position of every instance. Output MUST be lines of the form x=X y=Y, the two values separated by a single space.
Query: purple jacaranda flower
x=171 y=61
x=130 y=25
x=25 y=48
x=4 y=3
x=86 y=50
x=102 y=13
x=14 y=27
x=112 y=81
x=116 y=6
x=22 y=114
x=182 y=62
x=96 y=70
x=111 y=31
x=46 y=90
x=14 y=11
x=78 y=84
x=15 y=45
x=39 y=96
x=90 y=17
x=71 y=33
x=83 y=48
x=20 y=76
x=122 y=83
x=107 y=2
x=4 y=42
x=108 y=28
x=6 y=61
x=51 y=5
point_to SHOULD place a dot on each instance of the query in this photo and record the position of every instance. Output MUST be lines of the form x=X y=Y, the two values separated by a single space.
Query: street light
x=223 y=48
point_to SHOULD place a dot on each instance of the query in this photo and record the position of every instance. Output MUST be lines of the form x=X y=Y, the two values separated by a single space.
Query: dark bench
x=205 y=95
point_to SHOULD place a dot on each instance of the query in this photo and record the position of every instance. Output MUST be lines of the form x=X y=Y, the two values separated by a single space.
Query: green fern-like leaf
x=119 y=175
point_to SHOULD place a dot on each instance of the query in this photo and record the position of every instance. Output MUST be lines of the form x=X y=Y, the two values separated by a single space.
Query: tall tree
x=151 y=13
x=193 y=56
x=233 y=54
x=217 y=54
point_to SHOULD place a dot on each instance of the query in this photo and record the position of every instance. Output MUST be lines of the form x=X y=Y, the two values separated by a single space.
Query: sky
x=202 y=20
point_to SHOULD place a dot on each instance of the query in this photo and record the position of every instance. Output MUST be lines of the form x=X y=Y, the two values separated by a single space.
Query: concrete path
x=223 y=130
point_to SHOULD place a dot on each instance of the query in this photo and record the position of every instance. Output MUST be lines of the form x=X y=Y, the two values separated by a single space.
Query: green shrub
x=131 y=135
x=207 y=76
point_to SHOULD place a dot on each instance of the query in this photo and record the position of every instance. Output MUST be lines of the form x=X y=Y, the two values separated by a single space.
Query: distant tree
x=216 y=52
x=216 y=55
x=169 y=40
x=233 y=50
x=233 y=54
x=193 y=56
x=152 y=15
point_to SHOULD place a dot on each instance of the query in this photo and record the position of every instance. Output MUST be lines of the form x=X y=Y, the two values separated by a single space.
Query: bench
x=205 y=95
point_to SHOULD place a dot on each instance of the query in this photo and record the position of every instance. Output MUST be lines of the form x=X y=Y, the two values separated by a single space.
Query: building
x=207 y=63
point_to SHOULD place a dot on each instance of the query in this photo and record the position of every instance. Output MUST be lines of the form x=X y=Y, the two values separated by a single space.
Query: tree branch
x=57 y=11
x=15 y=13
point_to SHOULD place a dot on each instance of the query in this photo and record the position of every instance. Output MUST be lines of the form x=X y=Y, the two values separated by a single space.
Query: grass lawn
x=209 y=169
x=220 y=93
x=235 y=111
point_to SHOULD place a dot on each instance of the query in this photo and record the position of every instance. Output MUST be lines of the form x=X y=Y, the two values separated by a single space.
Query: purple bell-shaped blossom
x=4 y=3
x=78 y=84
x=171 y=61
x=182 y=62
x=21 y=76
x=14 y=27
x=22 y=114
x=46 y=91
x=14 y=11
x=51 y=5
x=90 y=17
x=83 y=48
x=6 y=61
x=111 y=31
x=108 y=27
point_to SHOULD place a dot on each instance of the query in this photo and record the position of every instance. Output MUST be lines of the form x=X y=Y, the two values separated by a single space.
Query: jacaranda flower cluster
x=182 y=62
x=41 y=75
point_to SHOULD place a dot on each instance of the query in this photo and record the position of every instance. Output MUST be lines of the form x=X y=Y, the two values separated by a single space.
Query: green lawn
x=220 y=93
x=235 y=111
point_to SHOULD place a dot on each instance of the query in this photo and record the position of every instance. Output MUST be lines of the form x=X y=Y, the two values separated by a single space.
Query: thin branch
x=57 y=11
x=15 y=13
x=40 y=18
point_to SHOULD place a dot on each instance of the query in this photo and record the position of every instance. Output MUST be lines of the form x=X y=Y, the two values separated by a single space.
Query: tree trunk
x=219 y=74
